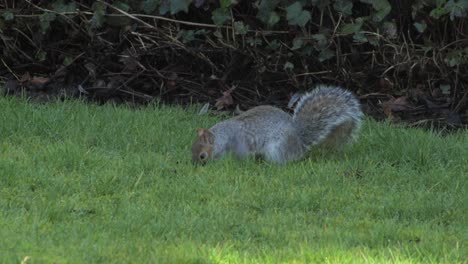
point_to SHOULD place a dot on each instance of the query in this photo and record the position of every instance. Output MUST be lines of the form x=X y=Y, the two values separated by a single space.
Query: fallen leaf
x=396 y=105
x=38 y=81
x=25 y=78
x=225 y=100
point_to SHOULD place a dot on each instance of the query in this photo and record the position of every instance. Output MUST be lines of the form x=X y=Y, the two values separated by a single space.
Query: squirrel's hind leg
x=290 y=148
x=340 y=136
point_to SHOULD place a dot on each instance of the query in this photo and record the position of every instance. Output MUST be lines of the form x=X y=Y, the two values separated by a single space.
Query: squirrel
x=328 y=116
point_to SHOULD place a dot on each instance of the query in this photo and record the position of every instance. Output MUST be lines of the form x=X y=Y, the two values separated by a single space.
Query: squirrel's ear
x=200 y=131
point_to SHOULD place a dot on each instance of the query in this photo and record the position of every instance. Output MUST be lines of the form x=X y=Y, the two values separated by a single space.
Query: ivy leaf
x=98 y=15
x=288 y=66
x=352 y=28
x=41 y=55
x=382 y=7
x=445 y=89
x=457 y=9
x=225 y=3
x=321 y=41
x=148 y=6
x=179 y=5
x=61 y=7
x=296 y=15
x=8 y=15
x=360 y=37
x=438 y=12
x=390 y=30
x=455 y=57
x=321 y=4
x=344 y=6
x=325 y=55
x=240 y=28
x=164 y=7
x=420 y=27
x=254 y=41
x=186 y=35
x=121 y=5
x=45 y=20
x=297 y=43
x=220 y=16
x=67 y=60
x=273 y=18
x=266 y=12
x=274 y=45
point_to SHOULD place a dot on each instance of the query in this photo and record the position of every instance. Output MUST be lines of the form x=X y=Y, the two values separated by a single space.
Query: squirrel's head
x=202 y=148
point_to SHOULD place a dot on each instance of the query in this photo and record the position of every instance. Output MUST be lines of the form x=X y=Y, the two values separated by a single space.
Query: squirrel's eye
x=203 y=156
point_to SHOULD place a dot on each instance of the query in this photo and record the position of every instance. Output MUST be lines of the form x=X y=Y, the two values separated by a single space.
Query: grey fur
x=326 y=112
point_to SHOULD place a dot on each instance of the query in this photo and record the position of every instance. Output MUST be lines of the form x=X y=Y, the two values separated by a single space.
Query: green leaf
x=344 y=6
x=45 y=20
x=296 y=15
x=273 y=18
x=226 y=3
x=266 y=12
x=321 y=4
x=8 y=15
x=67 y=60
x=445 y=88
x=254 y=41
x=60 y=7
x=438 y=12
x=41 y=55
x=149 y=6
x=457 y=9
x=298 y=42
x=325 y=55
x=352 y=28
x=121 y=5
x=220 y=16
x=186 y=35
x=321 y=41
x=98 y=15
x=240 y=28
x=390 y=29
x=420 y=27
x=373 y=40
x=164 y=7
x=179 y=5
x=359 y=37
x=382 y=7
x=274 y=45
x=456 y=57
x=288 y=66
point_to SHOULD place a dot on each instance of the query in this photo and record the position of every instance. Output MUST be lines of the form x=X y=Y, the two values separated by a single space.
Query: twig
x=17 y=78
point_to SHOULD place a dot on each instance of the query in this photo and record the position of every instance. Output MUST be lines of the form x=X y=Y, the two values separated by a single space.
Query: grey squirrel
x=325 y=116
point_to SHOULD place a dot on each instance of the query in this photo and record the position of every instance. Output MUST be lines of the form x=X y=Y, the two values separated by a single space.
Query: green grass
x=87 y=184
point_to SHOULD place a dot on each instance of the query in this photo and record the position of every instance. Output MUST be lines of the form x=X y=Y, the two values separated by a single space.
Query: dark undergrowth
x=406 y=60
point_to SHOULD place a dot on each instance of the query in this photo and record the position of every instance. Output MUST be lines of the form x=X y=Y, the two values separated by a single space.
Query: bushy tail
x=328 y=115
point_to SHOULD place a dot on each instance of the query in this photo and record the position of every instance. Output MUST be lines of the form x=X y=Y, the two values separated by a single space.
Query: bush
x=183 y=50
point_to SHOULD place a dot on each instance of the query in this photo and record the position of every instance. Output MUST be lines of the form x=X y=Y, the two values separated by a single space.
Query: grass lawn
x=101 y=184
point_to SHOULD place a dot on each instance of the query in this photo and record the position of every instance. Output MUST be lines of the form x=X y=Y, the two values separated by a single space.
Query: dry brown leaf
x=396 y=105
x=225 y=100
x=38 y=81
x=25 y=78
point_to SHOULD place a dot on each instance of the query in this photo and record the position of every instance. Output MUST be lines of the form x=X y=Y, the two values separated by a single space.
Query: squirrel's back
x=328 y=114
